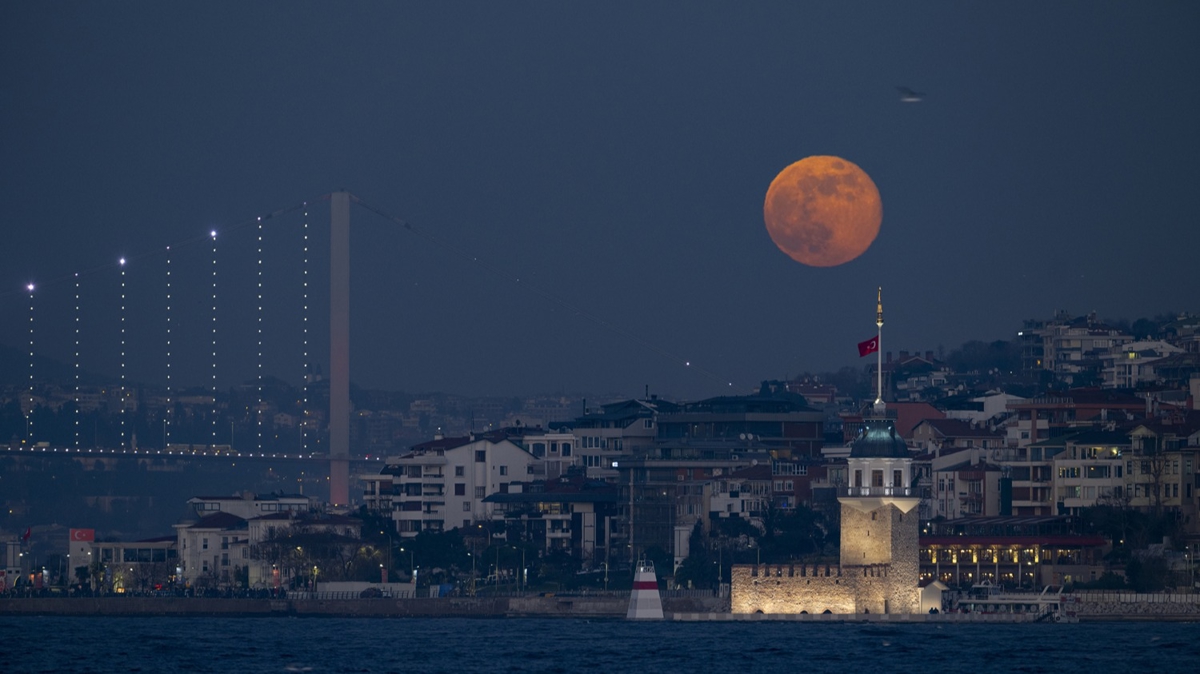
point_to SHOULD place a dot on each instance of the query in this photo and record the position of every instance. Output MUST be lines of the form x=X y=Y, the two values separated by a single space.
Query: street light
x=412 y=564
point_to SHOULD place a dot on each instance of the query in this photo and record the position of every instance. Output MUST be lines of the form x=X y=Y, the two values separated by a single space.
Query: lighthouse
x=879 y=512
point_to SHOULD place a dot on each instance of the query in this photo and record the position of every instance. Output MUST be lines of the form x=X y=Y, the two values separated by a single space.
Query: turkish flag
x=867 y=347
x=83 y=534
x=28 y=532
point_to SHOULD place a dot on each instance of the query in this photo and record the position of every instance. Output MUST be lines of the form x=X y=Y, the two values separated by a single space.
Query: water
x=466 y=646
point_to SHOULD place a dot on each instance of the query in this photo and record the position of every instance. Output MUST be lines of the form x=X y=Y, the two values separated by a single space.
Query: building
x=442 y=484
x=124 y=566
x=572 y=513
x=944 y=436
x=213 y=551
x=964 y=485
x=1030 y=552
x=1132 y=364
x=616 y=430
x=1049 y=416
x=1069 y=349
x=878 y=571
x=248 y=505
x=223 y=550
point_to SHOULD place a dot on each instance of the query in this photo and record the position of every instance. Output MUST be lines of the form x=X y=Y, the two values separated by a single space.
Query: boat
x=1049 y=605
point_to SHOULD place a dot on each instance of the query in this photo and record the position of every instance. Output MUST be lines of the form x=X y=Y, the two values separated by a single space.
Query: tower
x=339 y=348
x=879 y=518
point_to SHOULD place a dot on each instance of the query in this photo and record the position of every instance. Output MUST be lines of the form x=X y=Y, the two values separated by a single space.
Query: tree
x=699 y=568
x=1147 y=573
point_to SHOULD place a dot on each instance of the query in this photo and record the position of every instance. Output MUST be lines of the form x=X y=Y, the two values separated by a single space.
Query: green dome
x=878 y=440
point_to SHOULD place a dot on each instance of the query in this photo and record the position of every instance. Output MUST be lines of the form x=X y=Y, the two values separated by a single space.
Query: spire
x=879 y=404
x=879 y=307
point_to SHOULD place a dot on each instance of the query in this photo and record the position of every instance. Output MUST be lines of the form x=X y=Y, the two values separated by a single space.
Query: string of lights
x=304 y=336
x=29 y=413
x=77 y=361
x=167 y=413
x=121 y=263
x=214 y=338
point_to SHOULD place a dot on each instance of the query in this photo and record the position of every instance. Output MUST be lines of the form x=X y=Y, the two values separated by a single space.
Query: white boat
x=1049 y=605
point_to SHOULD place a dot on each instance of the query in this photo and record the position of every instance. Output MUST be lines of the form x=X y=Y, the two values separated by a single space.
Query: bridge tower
x=339 y=348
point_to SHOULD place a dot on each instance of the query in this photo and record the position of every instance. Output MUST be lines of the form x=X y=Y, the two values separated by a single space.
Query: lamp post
x=412 y=564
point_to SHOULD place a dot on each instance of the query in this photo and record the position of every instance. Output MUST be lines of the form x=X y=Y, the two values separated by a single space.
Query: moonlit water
x=466 y=646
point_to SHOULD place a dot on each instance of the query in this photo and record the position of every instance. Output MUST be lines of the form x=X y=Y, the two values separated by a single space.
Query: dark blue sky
x=614 y=156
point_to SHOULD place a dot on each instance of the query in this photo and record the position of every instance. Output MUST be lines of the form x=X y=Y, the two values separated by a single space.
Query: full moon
x=823 y=211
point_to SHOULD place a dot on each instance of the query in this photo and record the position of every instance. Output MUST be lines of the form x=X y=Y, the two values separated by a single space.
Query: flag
x=28 y=532
x=83 y=534
x=868 y=347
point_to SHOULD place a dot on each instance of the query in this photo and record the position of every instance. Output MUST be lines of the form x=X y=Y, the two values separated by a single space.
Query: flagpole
x=879 y=350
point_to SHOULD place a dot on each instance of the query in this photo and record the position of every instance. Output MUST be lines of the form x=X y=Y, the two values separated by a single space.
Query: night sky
x=613 y=157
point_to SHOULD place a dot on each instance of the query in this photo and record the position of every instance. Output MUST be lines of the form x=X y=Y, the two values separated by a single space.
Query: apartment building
x=441 y=484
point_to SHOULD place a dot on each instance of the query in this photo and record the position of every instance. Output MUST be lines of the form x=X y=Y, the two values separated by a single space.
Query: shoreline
x=601 y=608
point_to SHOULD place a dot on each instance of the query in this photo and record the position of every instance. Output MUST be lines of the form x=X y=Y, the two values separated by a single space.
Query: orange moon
x=823 y=211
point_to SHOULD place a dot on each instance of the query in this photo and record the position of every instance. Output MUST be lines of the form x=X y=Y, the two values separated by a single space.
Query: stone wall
x=531 y=606
x=1132 y=605
x=879 y=572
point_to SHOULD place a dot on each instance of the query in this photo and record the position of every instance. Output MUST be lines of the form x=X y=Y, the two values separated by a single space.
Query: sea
x=468 y=646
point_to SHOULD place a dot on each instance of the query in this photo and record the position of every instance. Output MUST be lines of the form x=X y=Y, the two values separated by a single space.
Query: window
x=539 y=448
x=877 y=478
x=459 y=471
x=480 y=492
x=460 y=489
x=466 y=506
x=480 y=455
x=566 y=449
x=204 y=544
x=504 y=470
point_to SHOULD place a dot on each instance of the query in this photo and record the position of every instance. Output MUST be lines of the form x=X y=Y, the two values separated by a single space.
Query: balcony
x=877 y=491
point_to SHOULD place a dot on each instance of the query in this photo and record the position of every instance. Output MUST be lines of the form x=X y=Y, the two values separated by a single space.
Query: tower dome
x=879 y=440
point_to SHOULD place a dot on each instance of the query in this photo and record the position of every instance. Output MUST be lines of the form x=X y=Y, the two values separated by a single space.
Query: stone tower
x=879 y=520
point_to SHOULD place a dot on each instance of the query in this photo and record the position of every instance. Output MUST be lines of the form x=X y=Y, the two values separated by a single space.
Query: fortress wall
x=775 y=589
x=784 y=589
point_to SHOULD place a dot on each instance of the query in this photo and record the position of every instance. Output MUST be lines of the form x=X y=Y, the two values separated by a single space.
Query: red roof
x=1062 y=540
x=908 y=415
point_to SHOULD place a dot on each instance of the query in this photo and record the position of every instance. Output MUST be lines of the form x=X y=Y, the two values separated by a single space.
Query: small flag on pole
x=868 y=347
x=28 y=531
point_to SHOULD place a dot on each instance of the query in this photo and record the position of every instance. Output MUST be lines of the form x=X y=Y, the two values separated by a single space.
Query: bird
x=909 y=96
